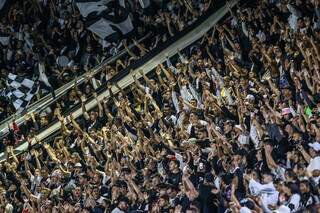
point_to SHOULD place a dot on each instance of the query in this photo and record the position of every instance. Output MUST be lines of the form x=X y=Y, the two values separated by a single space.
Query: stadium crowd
x=54 y=32
x=232 y=125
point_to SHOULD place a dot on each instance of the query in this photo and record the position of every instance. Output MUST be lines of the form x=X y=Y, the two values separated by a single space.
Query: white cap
x=315 y=146
x=192 y=140
x=250 y=97
x=78 y=165
x=283 y=209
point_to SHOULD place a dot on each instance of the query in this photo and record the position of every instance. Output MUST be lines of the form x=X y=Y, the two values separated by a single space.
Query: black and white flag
x=20 y=90
x=108 y=19
x=43 y=79
x=42 y=75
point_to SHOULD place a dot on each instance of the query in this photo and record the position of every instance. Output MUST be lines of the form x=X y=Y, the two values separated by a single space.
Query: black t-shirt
x=208 y=201
x=203 y=143
x=175 y=178
x=165 y=210
x=93 y=124
x=240 y=191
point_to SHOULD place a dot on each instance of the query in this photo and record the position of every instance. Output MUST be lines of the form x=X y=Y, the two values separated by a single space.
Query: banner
x=108 y=19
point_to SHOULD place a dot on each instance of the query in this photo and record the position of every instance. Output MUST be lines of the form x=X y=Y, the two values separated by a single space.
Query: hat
x=78 y=165
x=192 y=140
x=250 y=97
x=283 y=209
x=315 y=146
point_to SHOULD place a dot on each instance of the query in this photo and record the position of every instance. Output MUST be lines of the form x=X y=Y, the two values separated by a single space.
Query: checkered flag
x=20 y=90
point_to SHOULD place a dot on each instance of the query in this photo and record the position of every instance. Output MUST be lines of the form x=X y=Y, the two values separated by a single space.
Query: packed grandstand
x=162 y=106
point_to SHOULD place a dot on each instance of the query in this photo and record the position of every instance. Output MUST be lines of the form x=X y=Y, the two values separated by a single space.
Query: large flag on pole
x=106 y=18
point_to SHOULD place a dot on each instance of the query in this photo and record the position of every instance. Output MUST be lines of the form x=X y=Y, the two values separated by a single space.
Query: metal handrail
x=48 y=100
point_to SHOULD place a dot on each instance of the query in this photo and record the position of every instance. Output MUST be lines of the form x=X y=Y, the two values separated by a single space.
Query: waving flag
x=108 y=19
x=20 y=90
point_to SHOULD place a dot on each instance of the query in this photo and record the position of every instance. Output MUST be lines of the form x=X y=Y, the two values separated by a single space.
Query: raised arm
x=100 y=107
x=192 y=192
x=158 y=72
x=270 y=161
x=83 y=107
x=36 y=156
x=147 y=80
x=124 y=42
x=168 y=74
x=142 y=49
x=168 y=23
x=27 y=168
x=137 y=82
x=305 y=155
x=50 y=152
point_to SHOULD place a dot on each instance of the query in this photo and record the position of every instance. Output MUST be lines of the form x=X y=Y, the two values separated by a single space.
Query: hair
x=291 y=173
x=192 y=209
x=294 y=188
x=177 y=163
x=306 y=182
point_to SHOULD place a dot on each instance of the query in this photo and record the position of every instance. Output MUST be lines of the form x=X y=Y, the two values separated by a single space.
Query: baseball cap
x=250 y=97
x=78 y=165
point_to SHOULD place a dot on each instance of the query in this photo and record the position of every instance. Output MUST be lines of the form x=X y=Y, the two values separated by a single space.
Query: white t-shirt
x=243 y=139
x=314 y=164
x=268 y=192
x=295 y=201
x=35 y=181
